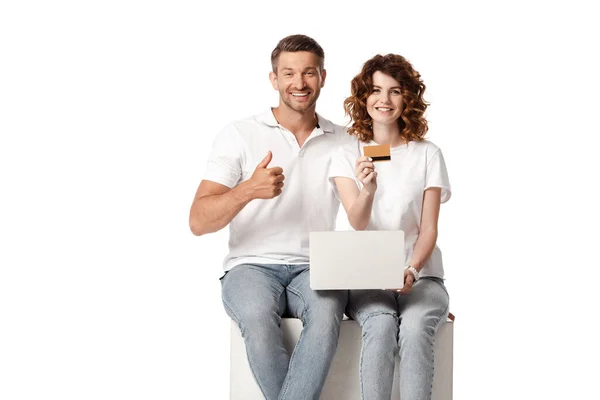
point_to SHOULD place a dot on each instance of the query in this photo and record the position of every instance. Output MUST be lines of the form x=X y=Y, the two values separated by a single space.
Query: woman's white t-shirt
x=398 y=201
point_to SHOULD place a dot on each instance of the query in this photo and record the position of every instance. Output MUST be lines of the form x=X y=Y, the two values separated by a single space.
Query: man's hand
x=366 y=174
x=266 y=183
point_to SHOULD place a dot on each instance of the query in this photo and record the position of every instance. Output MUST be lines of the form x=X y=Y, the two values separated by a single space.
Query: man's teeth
x=299 y=94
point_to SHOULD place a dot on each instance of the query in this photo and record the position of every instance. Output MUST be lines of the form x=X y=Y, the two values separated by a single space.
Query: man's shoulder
x=252 y=123
x=340 y=132
x=265 y=118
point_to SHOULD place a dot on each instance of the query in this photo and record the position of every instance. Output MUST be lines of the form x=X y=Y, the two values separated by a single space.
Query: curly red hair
x=412 y=123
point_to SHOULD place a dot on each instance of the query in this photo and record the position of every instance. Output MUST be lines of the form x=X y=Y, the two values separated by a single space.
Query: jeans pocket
x=437 y=280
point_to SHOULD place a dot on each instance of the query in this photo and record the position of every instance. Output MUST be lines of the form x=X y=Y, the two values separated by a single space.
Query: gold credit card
x=378 y=153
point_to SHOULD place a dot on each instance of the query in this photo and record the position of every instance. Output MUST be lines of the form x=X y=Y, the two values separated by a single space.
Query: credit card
x=378 y=153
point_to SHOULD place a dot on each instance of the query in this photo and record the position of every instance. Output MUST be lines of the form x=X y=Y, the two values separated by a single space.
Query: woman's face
x=385 y=103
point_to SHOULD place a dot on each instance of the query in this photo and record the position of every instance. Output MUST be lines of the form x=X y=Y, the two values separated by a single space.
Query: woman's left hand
x=409 y=279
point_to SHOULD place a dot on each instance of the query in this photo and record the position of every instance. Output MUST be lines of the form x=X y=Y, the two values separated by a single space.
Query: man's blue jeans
x=256 y=297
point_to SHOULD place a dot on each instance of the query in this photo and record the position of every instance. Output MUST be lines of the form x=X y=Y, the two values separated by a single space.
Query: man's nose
x=299 y=81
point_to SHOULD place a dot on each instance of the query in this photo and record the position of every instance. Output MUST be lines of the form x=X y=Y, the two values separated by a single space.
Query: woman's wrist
x=413 y=271
x=364 y=191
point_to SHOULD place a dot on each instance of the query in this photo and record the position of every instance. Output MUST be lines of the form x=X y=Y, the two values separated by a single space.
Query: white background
x=107 y=114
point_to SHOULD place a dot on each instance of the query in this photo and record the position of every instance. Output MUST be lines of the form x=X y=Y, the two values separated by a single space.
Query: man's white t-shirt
x=276 y=231
x=398 y=201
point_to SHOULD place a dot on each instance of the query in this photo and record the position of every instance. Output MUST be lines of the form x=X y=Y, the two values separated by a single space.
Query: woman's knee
x=418 y=328
x=381 y=325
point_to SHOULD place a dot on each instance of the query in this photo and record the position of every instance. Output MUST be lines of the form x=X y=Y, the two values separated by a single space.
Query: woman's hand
x=409 y=279
x=366 y=174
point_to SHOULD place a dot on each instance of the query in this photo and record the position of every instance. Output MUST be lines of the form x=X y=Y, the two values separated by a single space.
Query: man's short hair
x=295 y=43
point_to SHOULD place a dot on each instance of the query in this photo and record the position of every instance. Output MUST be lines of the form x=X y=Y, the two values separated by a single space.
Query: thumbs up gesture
x=266 y=182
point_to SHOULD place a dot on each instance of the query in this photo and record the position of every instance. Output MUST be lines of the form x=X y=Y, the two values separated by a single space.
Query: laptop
x=356 y=260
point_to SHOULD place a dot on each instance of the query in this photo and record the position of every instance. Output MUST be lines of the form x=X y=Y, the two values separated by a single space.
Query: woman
x=387 y=108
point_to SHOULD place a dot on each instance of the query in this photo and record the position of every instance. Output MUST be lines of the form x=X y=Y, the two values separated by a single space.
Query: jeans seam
x=360 y=373
x=374 y=314
x=433 y=347
x=301 y=317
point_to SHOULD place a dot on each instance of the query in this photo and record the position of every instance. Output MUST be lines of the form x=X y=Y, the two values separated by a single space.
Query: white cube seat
x=342 y=381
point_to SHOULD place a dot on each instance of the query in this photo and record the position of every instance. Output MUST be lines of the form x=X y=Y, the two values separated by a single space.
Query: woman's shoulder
x=425 y=146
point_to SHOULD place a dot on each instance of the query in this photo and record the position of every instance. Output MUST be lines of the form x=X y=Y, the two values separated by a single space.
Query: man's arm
x=215 y=205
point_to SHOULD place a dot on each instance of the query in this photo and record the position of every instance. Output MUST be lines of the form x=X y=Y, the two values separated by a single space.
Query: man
x=267 y=266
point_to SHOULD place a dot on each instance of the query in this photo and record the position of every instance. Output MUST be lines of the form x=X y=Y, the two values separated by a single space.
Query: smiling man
x=267 y=179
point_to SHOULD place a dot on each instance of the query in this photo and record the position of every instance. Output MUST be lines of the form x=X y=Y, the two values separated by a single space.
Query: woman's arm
x=429 y=227
x=427 y=235
x=358 y=202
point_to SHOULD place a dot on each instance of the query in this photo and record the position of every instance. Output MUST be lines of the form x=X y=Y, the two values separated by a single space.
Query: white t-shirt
x=276 y=231
x=401 y=182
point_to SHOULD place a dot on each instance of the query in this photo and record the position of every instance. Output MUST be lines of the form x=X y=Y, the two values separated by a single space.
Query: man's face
x=299 y=80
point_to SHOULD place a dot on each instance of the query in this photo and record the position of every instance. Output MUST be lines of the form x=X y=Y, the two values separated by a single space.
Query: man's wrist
x=245 y=192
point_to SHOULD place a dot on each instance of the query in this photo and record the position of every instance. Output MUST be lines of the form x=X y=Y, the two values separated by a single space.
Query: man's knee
x=331 y=301
x=326 y=310
x=252 y=315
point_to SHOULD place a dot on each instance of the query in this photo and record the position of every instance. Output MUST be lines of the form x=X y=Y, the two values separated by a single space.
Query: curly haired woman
x=402 y=193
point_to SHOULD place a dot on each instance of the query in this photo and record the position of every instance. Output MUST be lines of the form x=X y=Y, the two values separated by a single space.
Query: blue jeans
x=394 y=322
x=256 y=297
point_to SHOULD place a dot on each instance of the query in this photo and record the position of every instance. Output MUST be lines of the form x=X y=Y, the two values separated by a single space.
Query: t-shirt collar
x=268 y=118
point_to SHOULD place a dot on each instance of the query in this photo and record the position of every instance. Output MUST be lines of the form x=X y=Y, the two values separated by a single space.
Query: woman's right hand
x=366 y=174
